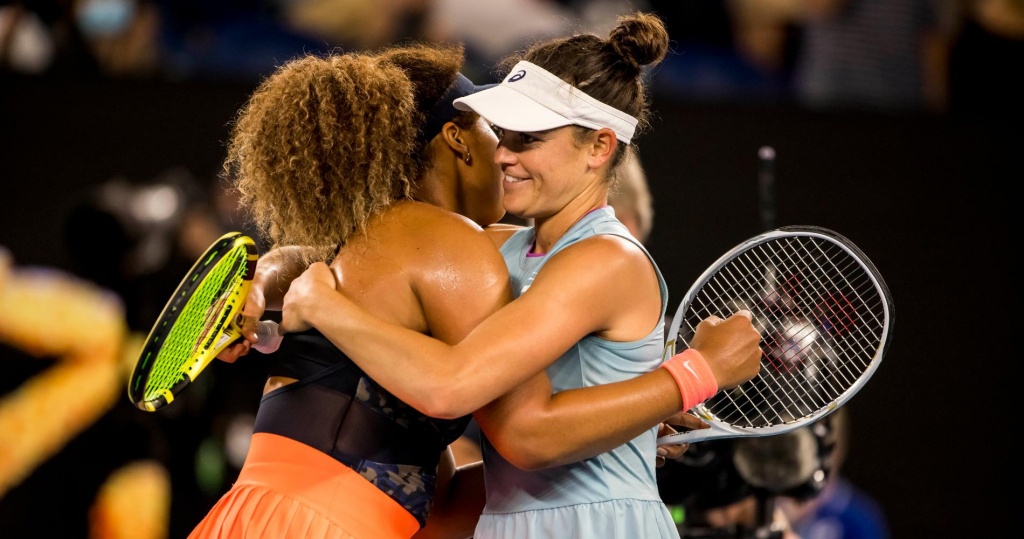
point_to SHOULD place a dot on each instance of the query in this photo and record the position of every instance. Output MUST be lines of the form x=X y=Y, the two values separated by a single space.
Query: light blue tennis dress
x=612 y=495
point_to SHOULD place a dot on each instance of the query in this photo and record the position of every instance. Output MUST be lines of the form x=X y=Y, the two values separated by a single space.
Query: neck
x=436 y=186
x=551 y=229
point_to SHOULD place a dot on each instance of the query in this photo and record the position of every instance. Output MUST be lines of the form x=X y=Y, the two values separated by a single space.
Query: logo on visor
x=519 y=75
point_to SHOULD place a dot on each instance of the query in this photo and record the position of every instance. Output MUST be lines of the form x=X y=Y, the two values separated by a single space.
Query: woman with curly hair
x=363 y=155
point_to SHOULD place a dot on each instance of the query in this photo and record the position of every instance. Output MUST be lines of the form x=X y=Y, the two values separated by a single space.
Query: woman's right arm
x=534 y=429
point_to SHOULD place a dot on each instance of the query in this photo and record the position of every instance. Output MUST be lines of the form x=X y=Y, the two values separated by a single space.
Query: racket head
x=825 y=316
x=197 y=322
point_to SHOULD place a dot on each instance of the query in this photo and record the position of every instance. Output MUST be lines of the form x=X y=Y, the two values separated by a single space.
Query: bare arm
x=510 y=349
x=567 y=301
x=534 y=429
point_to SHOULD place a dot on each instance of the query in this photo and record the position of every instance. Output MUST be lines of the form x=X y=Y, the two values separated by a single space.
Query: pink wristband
x=693 y=376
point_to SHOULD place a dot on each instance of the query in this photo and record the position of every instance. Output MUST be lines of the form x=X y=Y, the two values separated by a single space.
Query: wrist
x=693 y=376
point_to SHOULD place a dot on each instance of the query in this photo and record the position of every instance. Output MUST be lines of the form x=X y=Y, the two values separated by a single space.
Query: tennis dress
x=612 y=495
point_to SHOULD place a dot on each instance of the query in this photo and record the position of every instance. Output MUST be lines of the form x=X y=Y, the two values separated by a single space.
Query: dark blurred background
x=896 y=123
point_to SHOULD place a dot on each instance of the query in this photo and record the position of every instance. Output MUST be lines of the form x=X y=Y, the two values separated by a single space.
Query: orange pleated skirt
x=287 y=489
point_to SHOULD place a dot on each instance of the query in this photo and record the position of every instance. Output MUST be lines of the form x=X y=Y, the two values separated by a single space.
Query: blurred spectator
x=81 y=38
x=358 y=24
x=763 y=32
x=992 y=30
x=122 y=35
x=786 y=485
x=126 y=237
x=230 y=39
x=26 y=43
x=890 y=55
x=702 y=487
x=631 y=197
x=490 y=30
x=42 y=37
x=706 y=61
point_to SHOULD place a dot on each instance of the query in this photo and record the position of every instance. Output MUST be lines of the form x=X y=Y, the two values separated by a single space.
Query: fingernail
x=662 y=451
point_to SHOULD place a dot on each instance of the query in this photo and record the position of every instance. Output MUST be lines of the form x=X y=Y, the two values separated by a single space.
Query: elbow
x=440 y=407
x=530 y=457
x=447 y=392
x=533 y=463
x=443 y=402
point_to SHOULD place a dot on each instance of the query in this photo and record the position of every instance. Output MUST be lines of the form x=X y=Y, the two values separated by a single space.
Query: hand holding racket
x=825 y=317
x=200 y=319
x=734 y=342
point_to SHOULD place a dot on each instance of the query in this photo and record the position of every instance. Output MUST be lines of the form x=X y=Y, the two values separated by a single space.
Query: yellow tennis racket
x=199 y=321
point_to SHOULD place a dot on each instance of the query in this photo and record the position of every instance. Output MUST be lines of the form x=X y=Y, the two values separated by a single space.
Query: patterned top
x=335 y=408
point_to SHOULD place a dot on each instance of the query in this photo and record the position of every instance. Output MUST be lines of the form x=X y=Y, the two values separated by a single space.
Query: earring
x=467 y=158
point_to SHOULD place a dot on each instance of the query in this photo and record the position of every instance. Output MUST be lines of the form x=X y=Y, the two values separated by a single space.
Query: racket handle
x=268 y=337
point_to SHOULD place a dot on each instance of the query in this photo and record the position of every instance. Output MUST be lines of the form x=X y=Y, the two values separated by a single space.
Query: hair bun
x=641 y=39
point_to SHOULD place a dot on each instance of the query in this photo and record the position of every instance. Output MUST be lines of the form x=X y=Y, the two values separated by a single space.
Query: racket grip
x=268 y=337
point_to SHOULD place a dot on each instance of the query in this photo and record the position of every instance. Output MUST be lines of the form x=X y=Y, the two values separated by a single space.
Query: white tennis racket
x=825 y=317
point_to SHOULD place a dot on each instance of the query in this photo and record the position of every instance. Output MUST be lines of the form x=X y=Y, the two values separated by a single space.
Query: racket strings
x=821 y=316
x=189 y=316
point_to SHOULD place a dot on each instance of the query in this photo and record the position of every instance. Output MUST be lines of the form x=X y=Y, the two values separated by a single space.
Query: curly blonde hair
x=325 y=143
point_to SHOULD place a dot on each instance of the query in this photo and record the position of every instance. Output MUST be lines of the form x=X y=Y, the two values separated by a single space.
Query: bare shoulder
x=419 y=219
x=432 y=231
x=602 y=262
x=607 y=249
x=455 y=270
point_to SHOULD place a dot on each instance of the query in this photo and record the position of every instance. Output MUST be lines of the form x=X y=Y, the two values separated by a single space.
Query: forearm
x=421 y=371
x=438 y=379
x=577 y=424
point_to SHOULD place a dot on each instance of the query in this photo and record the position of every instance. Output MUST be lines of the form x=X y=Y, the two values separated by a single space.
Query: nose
x=503 y=156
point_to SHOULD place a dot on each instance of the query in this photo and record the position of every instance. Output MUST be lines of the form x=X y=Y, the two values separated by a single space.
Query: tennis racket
x=825 y=317
x=198 y=322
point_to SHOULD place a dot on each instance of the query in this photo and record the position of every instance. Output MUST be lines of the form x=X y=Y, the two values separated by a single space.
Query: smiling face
x=549 y=171
x=544 y=171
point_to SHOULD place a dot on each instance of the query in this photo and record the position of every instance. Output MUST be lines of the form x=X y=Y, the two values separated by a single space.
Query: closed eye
x=517 y=140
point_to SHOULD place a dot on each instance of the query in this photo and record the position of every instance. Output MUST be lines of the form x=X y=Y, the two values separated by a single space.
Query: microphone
x=269 y=337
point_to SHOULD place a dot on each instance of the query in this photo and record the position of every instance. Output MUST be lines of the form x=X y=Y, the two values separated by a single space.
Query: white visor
x=532 y=99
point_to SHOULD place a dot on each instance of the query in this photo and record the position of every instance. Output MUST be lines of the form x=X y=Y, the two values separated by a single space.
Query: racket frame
x=220 y=330
x=722 y=429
